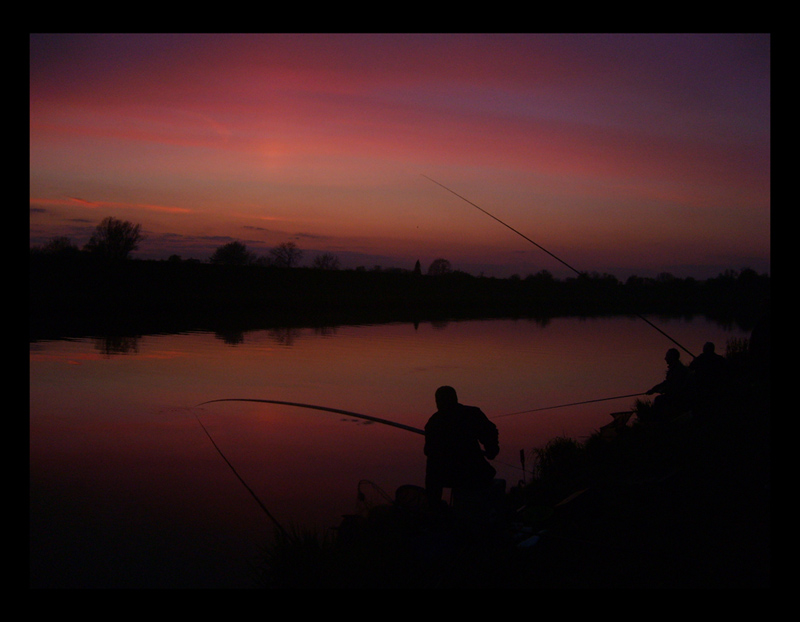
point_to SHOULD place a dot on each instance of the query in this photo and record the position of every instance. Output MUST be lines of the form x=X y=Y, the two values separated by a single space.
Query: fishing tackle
x=395 y=424
x=239 y=477
x=296 y=404
x=602 y=399
x=326 y=409
x=575 y=270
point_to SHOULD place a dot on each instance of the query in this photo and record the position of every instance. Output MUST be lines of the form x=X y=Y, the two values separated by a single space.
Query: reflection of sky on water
x=121 y=471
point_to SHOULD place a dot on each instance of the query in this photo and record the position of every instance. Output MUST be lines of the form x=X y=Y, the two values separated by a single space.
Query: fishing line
x=602 y=399
x=504 y=224
x=239 y=477
x=539 y=246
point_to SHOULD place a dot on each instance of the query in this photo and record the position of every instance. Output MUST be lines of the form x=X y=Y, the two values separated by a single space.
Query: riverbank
x=74 y=296
x=678 y=504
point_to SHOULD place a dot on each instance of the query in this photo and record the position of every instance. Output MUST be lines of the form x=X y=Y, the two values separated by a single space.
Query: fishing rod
x=602 y=399
x=296 y=404
x=239 y=477
x=333 y=410
x=325 y=409
x=539 y=246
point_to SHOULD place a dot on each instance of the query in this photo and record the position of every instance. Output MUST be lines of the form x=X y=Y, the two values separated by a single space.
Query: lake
x=127 y=489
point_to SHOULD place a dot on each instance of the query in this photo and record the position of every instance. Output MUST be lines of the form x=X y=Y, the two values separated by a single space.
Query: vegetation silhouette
x=326 y=261
x=286 y=255
x=439 y=267
x=683 y=503
x=233 y=254
x=100 y=288
x=114 y=239
x=658 y=506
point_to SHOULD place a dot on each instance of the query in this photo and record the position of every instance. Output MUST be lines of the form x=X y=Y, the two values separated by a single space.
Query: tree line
x=115 y=239
x=235 y=274
x=112 y=239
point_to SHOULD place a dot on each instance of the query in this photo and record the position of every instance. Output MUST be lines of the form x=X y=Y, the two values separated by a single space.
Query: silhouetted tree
x=114 y=239
x=326 y=261
x=541 y=277
x=286 y=255
x=439 y=266
x=233 y=254
x=60 y=245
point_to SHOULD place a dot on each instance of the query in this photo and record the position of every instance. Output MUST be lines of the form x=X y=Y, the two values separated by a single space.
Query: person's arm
x=489 y=437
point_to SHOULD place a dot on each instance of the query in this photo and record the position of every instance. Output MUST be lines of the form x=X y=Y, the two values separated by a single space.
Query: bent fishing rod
x=372 y=419
x=298 y=405
x=339 y=411
x=539 y=246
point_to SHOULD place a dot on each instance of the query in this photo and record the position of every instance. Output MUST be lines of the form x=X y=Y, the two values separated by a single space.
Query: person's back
x=709 y=379
x=453 y=439
x=709 y=367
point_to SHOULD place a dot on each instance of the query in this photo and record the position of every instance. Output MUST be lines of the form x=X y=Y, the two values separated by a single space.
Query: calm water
x=128 y=491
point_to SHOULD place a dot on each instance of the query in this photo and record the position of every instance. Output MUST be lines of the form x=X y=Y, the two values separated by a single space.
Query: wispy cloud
x=584 y=141
x=37 y=203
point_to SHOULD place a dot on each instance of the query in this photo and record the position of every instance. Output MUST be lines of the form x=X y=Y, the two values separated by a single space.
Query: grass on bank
x=680 y=504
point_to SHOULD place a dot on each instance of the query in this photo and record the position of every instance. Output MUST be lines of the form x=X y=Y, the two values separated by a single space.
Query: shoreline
x=73 y=297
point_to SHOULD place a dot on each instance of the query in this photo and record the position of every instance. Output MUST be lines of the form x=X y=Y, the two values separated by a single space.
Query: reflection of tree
x=282 y=335
x=285 y=336
x=117 y=344
x=325 y=331
x=230 y=337
x=544 y=321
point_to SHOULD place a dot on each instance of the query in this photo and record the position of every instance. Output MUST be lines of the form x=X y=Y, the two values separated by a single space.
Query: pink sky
x=625 y=154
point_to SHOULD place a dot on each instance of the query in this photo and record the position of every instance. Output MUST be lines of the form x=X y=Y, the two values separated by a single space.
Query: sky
x=623 y=154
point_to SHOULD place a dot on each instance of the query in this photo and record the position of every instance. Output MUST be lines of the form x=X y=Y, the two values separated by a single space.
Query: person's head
x=446 y=398
x=673 y=356
x=708 y=348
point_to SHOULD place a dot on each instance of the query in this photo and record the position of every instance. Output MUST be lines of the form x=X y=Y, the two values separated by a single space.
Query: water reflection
x=126 y=489
x=110 y=346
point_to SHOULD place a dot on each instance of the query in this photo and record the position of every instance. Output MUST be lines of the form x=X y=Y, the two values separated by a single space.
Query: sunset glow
x=623 y=154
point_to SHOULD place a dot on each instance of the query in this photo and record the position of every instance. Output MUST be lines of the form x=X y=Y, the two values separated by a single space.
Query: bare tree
x=114 y=239
x=326 y=261
x=286 y=255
